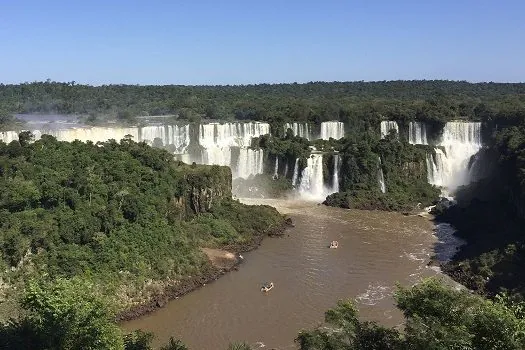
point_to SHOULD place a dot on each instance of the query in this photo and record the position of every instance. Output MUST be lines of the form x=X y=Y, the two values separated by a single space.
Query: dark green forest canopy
x=119 y=214
x=316 y=101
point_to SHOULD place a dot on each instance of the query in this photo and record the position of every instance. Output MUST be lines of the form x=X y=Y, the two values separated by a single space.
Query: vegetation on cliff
x=404 y=172
x=490 y=215
x=124 y=216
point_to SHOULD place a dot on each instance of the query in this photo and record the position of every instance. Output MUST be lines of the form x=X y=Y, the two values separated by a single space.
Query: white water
x=94 y=134
x=335 y=176
x=251 y=162
x=312 y=184
x=299 y=129
x=388 y=125
x=169 y=134
x=449 y=167
x=218 y=140
x=178 y=136
x=276 y=170
x=332 y=129
x=381 y=177
x=295 y=173
x=8 y=136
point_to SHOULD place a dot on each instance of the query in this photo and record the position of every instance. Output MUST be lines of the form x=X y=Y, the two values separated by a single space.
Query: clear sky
x=254 y=41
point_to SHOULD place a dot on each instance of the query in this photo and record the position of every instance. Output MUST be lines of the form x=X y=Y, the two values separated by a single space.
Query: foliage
x=239 y=346
x=358 y=103
x=118 y=214
x=65 y=314
x=437 y=317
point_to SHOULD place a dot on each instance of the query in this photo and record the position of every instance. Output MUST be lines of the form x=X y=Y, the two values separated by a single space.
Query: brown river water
x=376 y=250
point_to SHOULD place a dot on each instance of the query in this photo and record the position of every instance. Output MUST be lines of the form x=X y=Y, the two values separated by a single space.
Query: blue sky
x=241 y=42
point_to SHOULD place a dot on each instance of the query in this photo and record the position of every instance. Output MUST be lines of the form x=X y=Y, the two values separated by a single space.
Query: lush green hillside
x=124 y=216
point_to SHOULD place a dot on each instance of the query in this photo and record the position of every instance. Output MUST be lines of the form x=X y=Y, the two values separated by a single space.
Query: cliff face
x=202 y=187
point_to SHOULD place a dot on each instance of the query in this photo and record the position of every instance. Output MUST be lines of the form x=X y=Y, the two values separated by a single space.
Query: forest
x=124 y=216
x=357 y=103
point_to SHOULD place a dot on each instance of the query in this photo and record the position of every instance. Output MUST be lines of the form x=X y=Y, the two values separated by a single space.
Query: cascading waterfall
x=295 y=172
x=177 y=136
x=169 y=134
x=299 y=129
x=276 y=170
x=461 y=141
x=388 y=125
x=449 y=166
x=332 y=129
x=94 y=134
x=436 y=163
x=417 y=133
x=312 y=184
x=251 y=162
x=381 y=177
x=335 y=176
x=8 y=136
x=218 y=139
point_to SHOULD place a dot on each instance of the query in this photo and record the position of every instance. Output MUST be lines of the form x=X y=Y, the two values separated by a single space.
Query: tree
x=65 y=314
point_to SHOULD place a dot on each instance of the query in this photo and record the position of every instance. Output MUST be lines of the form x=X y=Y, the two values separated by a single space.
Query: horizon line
x=74 y=82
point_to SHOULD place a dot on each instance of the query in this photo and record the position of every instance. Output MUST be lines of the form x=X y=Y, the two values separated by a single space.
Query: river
x=376 y=250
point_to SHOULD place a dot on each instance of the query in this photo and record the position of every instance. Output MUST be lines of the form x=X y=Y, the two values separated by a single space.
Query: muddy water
x=376 y=250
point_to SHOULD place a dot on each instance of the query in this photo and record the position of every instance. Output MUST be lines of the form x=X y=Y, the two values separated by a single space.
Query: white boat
x=334 y=245
x=267 y=287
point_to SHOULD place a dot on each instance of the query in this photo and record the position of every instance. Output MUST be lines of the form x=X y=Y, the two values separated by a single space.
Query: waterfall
x=449 y=166
x=276 y=170
x=388 y=125
x=436 y=165
x=286 y=168
x=295 y=172
x=417 y=133
x=8 y=136
x=335 y=176
x=332 y=129
x=461 y=141
x=251 y=162
x=381 y=177
x=312 y=184
x=231 y=134
x=299 y=129
x=94 y=134
x=177 y=136
x=218 y=139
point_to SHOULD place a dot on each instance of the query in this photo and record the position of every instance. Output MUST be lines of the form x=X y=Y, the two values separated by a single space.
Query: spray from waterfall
x=295 y=173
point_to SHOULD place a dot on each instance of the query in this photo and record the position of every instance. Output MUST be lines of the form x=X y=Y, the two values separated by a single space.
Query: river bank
x=215 y=269
x=376 y=250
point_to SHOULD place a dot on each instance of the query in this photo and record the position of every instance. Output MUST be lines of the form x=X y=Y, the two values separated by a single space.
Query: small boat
x=334 y=245
x=267 y=287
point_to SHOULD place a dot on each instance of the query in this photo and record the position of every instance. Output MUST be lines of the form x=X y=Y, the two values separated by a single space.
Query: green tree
x=65 y=314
